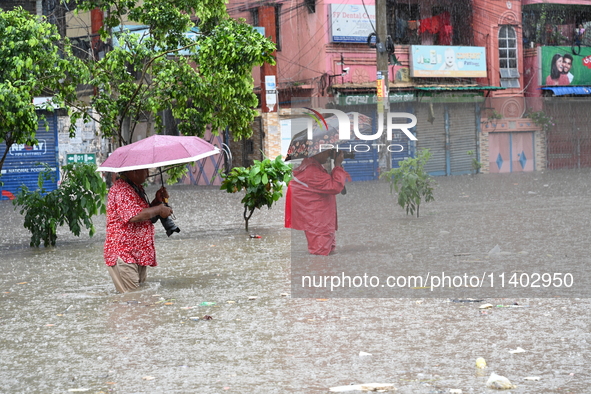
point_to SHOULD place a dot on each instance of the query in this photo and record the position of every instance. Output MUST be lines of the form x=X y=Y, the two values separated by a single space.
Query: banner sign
x=560 y=67
x=393 y=97
x=351 y=23
x=437 y=61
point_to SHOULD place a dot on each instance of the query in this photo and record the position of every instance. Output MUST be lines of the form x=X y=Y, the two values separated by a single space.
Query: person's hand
x=161 y=195
x=164 y=211
x=339 y=158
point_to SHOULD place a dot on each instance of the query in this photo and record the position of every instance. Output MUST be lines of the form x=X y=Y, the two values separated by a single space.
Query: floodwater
x=65 y=329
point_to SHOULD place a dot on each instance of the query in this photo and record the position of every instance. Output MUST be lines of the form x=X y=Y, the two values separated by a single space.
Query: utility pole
x=382 y=78
x=269 y=94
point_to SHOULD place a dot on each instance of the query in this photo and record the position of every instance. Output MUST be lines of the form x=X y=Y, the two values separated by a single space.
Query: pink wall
x=487 y=17
x=532 y=73
x=570 y=2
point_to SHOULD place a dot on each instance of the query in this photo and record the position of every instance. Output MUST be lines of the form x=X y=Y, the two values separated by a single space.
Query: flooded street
x=65 y=329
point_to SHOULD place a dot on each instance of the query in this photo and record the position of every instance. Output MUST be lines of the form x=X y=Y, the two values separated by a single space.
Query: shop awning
x=562 y=90
x=458 y=87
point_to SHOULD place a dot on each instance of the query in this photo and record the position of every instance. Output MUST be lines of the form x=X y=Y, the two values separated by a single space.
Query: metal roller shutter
x=364 y=167
x=23 y=163
x=569 y=141
x=401 y=145
x=462 y=135
x=432 y=136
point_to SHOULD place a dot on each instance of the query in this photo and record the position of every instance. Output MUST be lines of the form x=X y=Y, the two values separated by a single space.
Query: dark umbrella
x=323 y=133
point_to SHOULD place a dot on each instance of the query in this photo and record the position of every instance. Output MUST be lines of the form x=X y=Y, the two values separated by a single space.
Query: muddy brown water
x=65 y=329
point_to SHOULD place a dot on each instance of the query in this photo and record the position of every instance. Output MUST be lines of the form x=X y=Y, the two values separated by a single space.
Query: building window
x=402 y=23
x=310 y=5
x=254 y=12
x=249 y=147
x=508 y=57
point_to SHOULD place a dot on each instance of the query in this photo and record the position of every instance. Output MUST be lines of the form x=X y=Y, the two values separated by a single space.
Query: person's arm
x=155 y=209
x=148 y=213
x=322 y=182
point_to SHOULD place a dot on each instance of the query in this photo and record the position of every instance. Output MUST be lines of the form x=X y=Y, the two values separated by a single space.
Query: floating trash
x=518 y=350
x=480 y=363
x=378 y=387
x=499 y=382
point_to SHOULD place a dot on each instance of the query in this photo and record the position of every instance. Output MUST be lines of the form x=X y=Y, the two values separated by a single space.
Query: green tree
x=411 y=182
x=34 y=61
x=204 y=78
x=80 y=196
x=262 y=182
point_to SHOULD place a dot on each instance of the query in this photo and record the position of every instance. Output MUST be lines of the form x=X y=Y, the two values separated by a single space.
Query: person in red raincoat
x=311 y=203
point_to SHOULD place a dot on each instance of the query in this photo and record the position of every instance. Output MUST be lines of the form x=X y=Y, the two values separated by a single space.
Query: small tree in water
x=411 y=182
x=263 y=182
x=80 y=196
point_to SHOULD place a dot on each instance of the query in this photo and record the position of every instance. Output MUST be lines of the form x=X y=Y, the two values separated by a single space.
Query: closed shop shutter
x=432 y=136
x=364 y=167
x=400 y=144
x=569 y=141
x=23 y=163
x=462 y=134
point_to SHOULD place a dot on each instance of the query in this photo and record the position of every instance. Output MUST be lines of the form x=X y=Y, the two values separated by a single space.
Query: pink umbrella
x=158 y=151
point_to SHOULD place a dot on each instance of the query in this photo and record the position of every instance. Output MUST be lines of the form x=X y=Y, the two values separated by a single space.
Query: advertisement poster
x=351 y=23
x=436 y=61
x=560 y=67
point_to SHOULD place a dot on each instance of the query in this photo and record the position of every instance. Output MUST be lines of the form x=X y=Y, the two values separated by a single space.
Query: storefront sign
x=393 y=97
x=351 y=23
x=436 y=61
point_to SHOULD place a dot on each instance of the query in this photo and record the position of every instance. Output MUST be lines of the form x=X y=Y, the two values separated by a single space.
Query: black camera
x=167 y=223
x=346 y=155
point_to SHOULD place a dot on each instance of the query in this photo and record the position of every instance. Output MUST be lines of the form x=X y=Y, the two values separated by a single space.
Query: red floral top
x=133 y=242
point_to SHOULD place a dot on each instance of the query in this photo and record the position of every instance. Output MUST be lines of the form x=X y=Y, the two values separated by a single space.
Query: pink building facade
x=477 y=111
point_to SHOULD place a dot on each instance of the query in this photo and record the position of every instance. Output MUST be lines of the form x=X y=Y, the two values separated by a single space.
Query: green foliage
x=476 y=165
x=80 y=196
x=263 y=183
x=411 y=182
x=540 y=118
x=209 y=83
x=34 y=61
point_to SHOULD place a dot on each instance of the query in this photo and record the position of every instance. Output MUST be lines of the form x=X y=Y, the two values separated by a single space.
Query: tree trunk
x=246 y=218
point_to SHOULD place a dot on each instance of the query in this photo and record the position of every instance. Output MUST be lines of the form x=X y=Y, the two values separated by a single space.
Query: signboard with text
x=24 y=162
x=86 y=158
x=351 y=23
x=437 y=61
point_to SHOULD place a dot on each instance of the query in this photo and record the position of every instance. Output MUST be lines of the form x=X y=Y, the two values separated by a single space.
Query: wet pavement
x=65 y=329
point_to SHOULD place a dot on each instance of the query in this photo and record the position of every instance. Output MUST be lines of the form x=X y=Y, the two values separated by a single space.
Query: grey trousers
x=127 y=277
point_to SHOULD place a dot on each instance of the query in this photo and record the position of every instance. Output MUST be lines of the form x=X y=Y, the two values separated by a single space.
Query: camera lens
x=169 y=226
